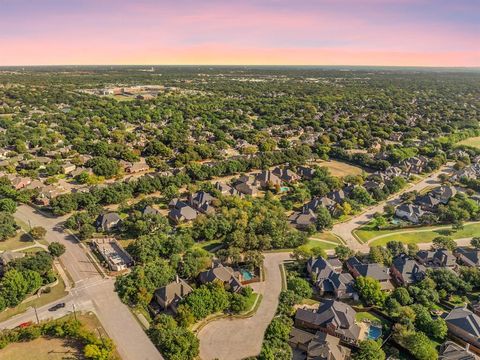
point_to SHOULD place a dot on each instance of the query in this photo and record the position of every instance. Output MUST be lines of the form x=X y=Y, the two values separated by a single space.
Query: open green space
x=44 y=349
x=321 y=244
x=423 y=235
x=18 y=241
x=474 y=142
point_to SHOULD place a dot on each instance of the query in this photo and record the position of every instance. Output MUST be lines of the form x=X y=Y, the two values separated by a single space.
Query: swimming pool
x=247 y=275
x=374 y=332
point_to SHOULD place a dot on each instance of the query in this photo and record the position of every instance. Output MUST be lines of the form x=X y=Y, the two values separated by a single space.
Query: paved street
x=234 y=339
x=91 y=292
x=344 y=229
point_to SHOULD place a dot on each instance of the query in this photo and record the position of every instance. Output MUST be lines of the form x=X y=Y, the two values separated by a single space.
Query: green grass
x=325 y=246
x=326 y=236
x=18 y=241
x=57 y=292
x=474 y=142
x=208 y=245
x=469 y=230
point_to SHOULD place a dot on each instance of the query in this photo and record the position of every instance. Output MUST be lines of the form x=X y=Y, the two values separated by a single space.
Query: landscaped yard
x=474 y=141
x=418 y=235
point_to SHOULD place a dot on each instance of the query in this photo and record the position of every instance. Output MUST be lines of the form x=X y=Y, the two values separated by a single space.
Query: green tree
x=8 y=205
x=343 y=252
x=38 y=232
x=370 y=290
x=475 y=242
x=56 y=249
x=370 y=350
x=324 y=219
x=444 y=242
x=300 y=287
x=8 y=227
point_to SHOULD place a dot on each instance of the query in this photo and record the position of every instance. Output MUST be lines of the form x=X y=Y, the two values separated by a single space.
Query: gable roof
x=176 y=289
x=464 y=319
x=452 y=351
x=411 y=270
x=373 y=270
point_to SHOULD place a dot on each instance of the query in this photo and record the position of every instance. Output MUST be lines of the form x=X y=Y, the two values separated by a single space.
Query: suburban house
x=67 y=168
x=373 y=270
x=464 y=324
x=20 y=182
x=181 y=212
x=7 y=256
x=437 y=258
x=267 y=178
x=169 y=296
x=415 y=165
x=332 y=317
x=444 y=193
x=303 y=220
x=226 y=189
x=427 y=202
x=149 y=210
x=468 y=256
x=137 y=167
x=412 y=213
x=202 y=201
x=286 y=175
x=406 y=271
x=316 y=202
x=319 y=346
x=452 y=351
x=224 y=274
x=329 y=280
x=246 y=185
x=108 y=221
x=305 y=172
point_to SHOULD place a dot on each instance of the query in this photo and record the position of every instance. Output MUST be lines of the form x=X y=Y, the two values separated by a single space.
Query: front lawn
x=418 y=235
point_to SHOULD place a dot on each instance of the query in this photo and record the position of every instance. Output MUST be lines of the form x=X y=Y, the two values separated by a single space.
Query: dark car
x=57 y=306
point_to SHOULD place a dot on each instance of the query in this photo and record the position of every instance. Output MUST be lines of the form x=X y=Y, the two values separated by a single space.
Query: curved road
x=235 y=339
x=91 y=292
x=344 y=229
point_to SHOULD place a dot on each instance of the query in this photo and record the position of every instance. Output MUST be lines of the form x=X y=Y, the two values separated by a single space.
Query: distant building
x=108 y=222
x=407 y=271
x=464 y=324
x=224 y=274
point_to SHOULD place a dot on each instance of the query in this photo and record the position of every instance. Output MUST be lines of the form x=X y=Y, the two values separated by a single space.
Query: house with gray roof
x=317 y=202
x=468 y=256
x=372 y=270
x=437 y=258
x=181 y=212
x=329 y=280
x=464 y=324
x=202 y=201
x=332 y=317
x=286 y=175
x=410 y=212
x=427 y=202
x=149 y=210
x=452 y=351
x=306 y=173
x=319 y=346
x=224 y=274
x=267 y=178
x=303 y=220
x=108 y=221
x=226 y=189
x=444 y=193
x=407 y=271
x=169 y=296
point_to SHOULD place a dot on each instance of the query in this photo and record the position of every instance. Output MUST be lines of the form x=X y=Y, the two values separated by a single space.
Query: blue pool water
x=374 y=332
x=247 y=275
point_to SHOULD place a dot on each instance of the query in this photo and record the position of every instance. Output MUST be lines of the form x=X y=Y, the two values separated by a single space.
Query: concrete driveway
x=235 y=339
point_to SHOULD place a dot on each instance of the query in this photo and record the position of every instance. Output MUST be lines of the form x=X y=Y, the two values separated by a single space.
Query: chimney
x=467 y=348
x=177 y=279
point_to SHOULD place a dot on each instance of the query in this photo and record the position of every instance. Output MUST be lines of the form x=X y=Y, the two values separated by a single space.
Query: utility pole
x=36 y=315
x=74 y=312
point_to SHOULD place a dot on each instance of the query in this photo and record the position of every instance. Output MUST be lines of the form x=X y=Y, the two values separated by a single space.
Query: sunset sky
x=303 y=32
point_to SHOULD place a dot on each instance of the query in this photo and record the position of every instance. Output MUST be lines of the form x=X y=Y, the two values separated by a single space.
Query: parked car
x=57 y=306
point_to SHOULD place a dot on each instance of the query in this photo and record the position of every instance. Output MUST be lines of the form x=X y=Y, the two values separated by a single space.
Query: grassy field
x=474 y=142
x=18 y=241
x=44 y=349
x=338 y=168
x=52 y=348
x=427 y=236
x=57 y=292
